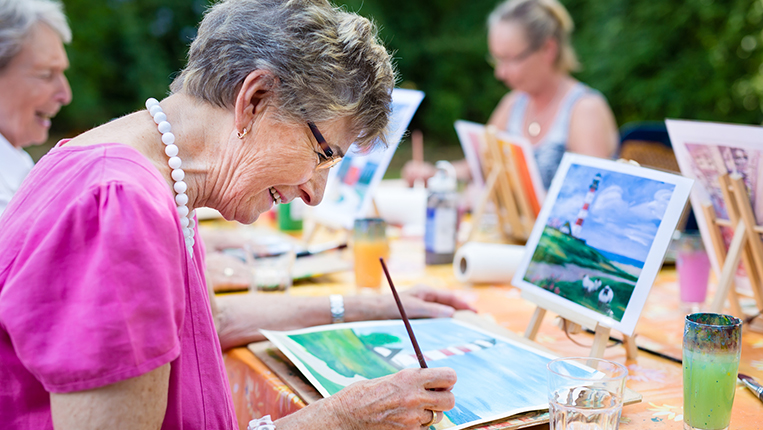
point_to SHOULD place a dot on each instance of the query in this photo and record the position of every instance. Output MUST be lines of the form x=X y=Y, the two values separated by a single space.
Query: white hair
x=18 y=18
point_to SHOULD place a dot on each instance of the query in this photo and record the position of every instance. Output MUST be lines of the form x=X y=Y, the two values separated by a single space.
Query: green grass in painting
x=555 y=247
x=559 y=249
x=345 y=353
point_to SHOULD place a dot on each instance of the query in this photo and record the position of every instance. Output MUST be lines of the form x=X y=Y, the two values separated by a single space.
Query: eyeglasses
x=328 y=159
x=495 y=62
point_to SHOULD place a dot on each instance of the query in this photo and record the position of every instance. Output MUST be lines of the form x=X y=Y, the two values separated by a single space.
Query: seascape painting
x=497 y=377
x=598 y=236
x=600 y=240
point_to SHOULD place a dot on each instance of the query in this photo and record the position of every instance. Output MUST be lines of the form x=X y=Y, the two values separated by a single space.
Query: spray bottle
x=442 y=215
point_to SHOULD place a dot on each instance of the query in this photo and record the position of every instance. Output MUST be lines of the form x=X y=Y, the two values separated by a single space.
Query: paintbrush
x=407 y=323
x=752 y=384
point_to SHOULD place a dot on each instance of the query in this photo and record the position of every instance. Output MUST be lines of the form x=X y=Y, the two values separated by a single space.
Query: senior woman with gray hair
x=105 y=319
x=32 y=83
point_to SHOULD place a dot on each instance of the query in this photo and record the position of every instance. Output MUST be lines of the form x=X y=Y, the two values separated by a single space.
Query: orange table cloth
x=257 y=391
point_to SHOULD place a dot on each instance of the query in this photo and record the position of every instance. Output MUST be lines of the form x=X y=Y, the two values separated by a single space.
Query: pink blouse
x=96 y=286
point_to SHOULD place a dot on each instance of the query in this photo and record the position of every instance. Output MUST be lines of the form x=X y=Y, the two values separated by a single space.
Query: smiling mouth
x=276 y=196
x=46 y=118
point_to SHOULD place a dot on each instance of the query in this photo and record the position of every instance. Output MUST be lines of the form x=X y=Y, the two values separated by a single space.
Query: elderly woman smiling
x=105 y=319
x=32 y=83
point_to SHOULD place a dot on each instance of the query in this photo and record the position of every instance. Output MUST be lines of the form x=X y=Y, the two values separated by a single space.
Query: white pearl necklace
x=181 y=198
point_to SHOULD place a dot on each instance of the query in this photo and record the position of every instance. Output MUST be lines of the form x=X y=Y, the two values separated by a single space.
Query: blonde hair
x=18 y=18
x=327 y=63
x=541 y=19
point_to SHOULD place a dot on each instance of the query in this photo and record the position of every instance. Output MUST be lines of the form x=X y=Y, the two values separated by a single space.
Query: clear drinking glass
x=369 y=243
x=711 y=350
x=585 y=393
x=272 y=273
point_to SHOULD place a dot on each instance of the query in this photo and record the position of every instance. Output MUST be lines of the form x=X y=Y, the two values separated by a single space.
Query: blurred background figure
x=529 y=44
x=32 y=83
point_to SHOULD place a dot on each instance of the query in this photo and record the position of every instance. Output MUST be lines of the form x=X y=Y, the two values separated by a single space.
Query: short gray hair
x=542 y=20
x=327 y=63
x=18 y=18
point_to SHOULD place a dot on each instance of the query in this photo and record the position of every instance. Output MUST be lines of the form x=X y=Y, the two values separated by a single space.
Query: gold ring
x=434 y=418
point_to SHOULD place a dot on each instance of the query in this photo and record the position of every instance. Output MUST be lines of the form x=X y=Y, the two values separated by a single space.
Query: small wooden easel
x=504 y=189
x=573 y=322
x=746 y=244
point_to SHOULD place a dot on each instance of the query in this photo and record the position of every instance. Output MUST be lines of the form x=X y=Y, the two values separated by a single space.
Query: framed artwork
x=707 y=150
x=600 y=239
x=497 y=377
x=351 y=184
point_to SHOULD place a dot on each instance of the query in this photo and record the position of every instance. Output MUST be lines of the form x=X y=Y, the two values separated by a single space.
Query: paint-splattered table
x=258 y=391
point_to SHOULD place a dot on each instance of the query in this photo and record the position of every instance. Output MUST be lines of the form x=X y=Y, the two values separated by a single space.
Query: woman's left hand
x=419 y=302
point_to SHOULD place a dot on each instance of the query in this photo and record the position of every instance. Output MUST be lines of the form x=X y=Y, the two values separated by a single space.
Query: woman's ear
x=252 y=98
x=551 y=51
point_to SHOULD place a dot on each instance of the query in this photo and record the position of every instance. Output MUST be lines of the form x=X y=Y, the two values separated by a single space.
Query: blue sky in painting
x=490 y=381
x=625 y=213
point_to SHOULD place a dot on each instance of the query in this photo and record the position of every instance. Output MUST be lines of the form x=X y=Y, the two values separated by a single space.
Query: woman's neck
x=199 y=129
x=550 y=91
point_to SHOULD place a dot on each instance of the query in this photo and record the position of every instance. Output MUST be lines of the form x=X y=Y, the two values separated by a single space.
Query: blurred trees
x=652 y=60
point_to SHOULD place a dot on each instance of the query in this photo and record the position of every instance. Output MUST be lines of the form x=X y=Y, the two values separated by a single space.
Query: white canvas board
x=497 y=377
x=601 y=272
x=471 y=135
x=707 y=150
x=350 y=186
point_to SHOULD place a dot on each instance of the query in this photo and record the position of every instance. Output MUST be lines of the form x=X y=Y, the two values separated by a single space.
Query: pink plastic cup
x=693 y=268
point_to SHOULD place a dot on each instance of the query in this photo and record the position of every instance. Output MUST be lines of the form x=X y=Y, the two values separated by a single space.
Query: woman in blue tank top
x=529 y=41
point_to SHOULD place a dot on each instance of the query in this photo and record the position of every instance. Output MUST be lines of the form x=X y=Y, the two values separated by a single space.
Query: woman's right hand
x=404 y=400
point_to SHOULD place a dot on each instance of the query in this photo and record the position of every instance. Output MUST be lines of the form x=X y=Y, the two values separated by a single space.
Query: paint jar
x=369 y=244
x=442 y=215
x=290 y=215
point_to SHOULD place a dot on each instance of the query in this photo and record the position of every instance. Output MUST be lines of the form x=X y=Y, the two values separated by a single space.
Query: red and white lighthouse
x=586 y=204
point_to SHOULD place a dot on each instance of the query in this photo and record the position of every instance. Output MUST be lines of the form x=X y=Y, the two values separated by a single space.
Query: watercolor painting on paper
x=497 y=377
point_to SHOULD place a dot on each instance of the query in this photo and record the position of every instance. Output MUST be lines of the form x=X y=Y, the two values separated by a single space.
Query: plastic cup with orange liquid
x=369 y=243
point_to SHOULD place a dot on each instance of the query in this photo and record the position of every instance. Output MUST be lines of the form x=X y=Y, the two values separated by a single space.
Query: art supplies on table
x=599 y=242
x=487 y=263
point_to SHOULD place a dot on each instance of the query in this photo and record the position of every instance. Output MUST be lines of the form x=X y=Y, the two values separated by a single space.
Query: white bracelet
x=264 y=423
x=337 y=308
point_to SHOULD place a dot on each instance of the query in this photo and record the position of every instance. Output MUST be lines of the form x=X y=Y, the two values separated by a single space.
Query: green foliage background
x=651 y=59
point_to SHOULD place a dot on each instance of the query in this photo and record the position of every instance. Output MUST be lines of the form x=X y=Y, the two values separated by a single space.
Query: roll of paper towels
x=487 y=262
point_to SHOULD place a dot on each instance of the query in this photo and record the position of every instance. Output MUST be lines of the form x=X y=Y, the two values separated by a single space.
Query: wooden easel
x=601 y=333
x=504 y=189
x=746 y=244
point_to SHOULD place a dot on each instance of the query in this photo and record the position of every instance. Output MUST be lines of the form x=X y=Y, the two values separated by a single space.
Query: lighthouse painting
x=603 y=232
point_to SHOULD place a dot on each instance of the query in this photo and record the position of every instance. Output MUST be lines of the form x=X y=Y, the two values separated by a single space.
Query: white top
x=15 y=165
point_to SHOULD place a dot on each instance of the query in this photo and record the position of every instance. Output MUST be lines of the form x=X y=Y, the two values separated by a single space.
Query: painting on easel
x=600 y=239
x=497 y=377
x=705 y=151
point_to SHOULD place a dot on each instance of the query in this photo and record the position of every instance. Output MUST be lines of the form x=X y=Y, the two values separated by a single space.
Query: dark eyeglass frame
x=494 y=62
x=329 y=160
